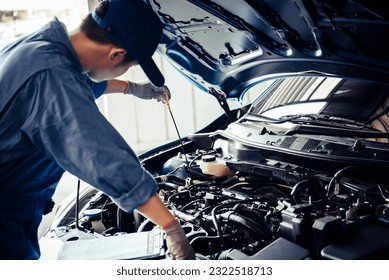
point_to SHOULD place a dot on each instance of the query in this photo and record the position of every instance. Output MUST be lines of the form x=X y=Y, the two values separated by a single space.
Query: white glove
x=146 y=90
x=178 y=244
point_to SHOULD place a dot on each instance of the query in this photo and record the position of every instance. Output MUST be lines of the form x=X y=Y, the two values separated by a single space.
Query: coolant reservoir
x=211 y=165
x=95 y=217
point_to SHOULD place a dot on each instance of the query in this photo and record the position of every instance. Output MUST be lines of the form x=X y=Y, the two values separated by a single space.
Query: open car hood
x=226 y=46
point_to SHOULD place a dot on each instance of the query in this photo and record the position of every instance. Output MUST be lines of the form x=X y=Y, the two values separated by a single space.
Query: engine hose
x=245 y=223
x=215 y=218
x=145 y=225
x=184 y=216
x=175 y=180
x=229 y=181
x=336 y=179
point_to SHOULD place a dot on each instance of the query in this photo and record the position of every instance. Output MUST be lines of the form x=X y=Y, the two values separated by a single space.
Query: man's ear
x=116 y=55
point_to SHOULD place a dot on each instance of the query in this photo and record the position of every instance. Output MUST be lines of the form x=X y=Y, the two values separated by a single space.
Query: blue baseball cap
x=134 y=26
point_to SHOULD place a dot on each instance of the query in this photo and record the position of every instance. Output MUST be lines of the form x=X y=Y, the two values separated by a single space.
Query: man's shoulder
x=40 y=51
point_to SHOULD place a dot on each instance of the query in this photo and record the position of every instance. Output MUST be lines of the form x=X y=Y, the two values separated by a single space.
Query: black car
x=298 y=173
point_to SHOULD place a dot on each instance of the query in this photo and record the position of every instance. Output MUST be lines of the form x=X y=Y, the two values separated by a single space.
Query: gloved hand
x=178 y=244
x=146 y=90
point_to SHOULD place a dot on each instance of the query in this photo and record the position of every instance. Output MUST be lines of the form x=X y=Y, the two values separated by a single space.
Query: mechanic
x=49 y=121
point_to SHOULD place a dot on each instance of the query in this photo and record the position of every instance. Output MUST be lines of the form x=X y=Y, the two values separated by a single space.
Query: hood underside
x=229 y=45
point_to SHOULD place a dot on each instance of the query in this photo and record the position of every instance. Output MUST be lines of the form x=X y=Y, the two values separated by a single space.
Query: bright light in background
x=14 y=5
x=21 y=17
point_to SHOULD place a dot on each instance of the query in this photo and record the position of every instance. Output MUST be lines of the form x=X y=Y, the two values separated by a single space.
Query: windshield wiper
x=320 y=120
x=314 y=124
x=325 y=120
x=334 y=131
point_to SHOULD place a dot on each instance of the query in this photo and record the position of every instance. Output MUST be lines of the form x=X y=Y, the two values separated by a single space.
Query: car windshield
x=360 y=101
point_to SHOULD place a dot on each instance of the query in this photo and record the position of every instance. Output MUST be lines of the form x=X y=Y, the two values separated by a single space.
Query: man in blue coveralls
x=49 y=121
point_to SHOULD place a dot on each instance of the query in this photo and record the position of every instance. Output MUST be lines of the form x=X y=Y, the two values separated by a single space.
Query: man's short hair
x=92 y=31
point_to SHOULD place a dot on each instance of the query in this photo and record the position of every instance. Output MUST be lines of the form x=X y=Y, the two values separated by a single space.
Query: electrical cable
x=336 y=180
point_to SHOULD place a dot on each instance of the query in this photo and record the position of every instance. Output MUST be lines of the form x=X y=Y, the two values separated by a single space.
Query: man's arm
x=116 y=86
x=70 y=130
x=143 y=90
x=178 y=244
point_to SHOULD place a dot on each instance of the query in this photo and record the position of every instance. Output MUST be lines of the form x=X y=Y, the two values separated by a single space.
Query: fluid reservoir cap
x=208 y=158
x=93 y=212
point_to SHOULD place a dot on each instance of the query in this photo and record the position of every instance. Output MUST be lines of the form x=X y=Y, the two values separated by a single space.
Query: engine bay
x=253 y=206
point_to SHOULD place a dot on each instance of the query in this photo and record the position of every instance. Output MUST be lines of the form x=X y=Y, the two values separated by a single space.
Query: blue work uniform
x=49 y=123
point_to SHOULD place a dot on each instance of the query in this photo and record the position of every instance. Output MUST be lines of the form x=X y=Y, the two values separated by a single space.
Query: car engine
x=240 y=205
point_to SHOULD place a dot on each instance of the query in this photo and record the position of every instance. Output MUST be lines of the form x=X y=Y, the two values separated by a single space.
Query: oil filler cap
x=208 y=158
